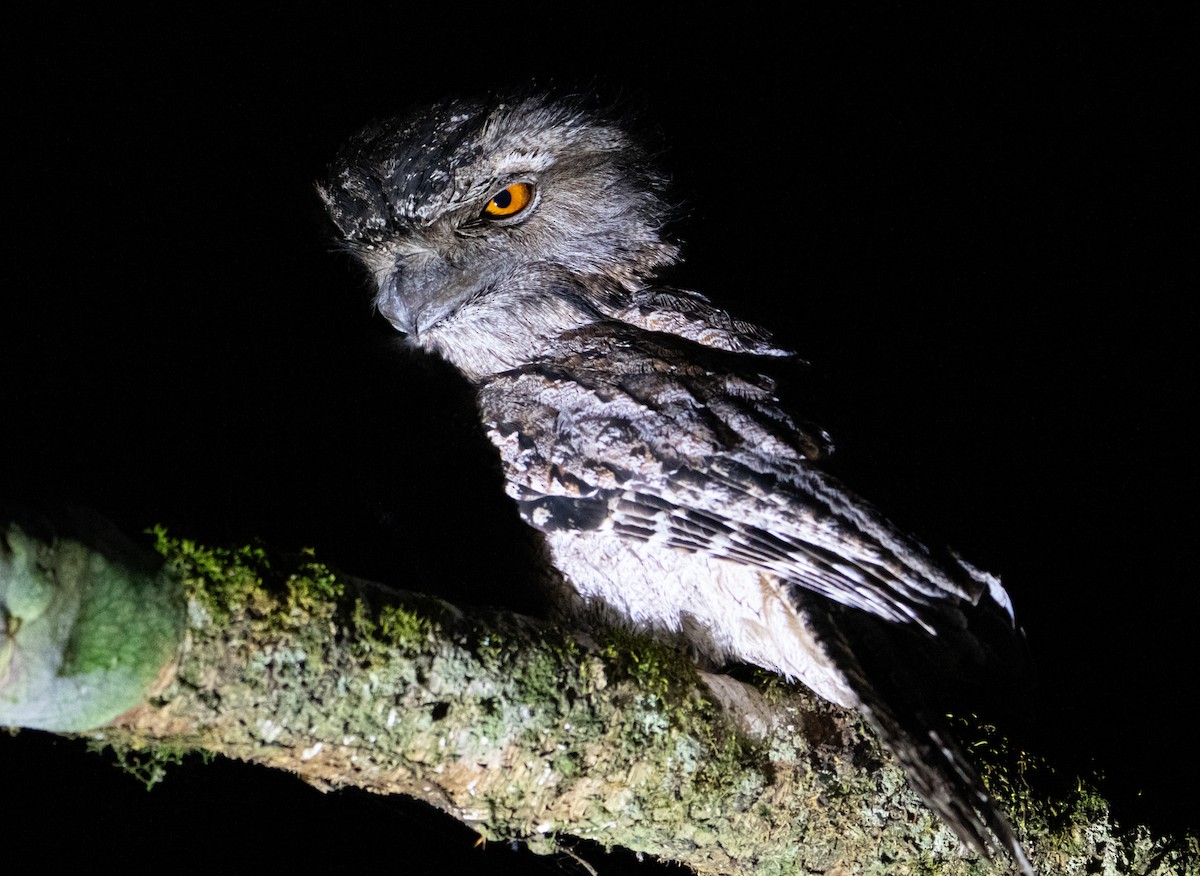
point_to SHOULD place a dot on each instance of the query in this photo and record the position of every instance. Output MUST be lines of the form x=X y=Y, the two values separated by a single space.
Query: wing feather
x=668 y=454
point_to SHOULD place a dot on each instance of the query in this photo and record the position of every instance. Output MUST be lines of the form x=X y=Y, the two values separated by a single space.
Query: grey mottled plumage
x=520 y=241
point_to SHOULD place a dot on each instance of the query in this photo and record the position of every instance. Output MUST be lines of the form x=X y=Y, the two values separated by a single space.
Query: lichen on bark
x=529 y=731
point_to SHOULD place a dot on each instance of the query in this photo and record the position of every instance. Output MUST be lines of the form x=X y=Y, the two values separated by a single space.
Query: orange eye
x=509 y=201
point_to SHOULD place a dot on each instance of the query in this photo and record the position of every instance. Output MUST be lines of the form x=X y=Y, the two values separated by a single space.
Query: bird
x=522 y=239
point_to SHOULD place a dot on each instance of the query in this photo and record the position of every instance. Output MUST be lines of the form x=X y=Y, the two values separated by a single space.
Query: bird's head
x=487 y=228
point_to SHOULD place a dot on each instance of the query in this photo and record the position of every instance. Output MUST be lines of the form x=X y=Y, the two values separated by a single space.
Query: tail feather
x=897 y=705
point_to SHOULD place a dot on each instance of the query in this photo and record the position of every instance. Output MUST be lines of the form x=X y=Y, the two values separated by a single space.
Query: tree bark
x=515 y=726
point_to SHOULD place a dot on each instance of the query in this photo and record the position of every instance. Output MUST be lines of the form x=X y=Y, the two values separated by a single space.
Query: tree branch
x=512 y=725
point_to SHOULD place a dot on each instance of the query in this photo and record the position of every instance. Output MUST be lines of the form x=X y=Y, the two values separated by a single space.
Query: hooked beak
x=415 y=301
x=390 y=303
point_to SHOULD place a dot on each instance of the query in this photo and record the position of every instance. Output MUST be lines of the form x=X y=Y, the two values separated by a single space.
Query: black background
x=971 y=226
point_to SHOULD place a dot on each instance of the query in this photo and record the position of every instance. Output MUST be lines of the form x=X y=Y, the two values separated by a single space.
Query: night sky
x=973 y=229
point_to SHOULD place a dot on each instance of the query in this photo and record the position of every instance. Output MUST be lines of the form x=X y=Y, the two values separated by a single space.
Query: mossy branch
x=514 y=726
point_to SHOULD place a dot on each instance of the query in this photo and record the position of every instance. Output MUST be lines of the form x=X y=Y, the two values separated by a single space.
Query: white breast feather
x=661 y=590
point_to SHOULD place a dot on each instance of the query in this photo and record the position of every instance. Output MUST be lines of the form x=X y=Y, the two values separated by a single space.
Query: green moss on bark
x=528 y=731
